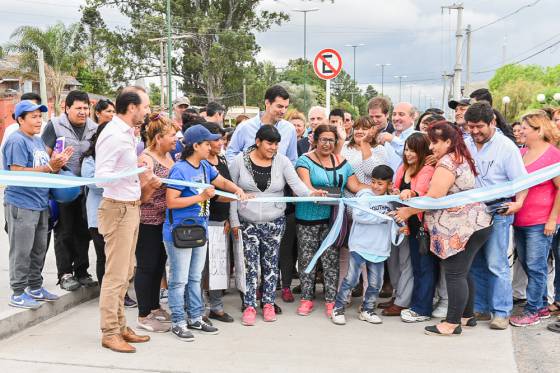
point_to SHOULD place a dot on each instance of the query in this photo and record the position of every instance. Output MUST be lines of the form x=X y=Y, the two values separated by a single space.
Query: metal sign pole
x=328 y=95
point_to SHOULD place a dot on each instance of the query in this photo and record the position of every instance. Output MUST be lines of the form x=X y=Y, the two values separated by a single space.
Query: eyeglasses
x=325 y=141
x=348 y=120
x=155 y=117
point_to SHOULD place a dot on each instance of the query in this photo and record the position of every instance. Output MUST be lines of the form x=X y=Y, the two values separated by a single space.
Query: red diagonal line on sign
x=329 y=65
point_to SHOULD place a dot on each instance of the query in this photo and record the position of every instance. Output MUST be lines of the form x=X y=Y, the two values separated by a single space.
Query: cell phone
x=497 y=209
x=60 y=144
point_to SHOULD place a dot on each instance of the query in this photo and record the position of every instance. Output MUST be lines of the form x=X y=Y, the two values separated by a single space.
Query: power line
x=507 y=15
x=524 y=59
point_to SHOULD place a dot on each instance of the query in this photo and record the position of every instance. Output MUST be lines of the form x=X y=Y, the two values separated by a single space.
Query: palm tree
x=61 y=59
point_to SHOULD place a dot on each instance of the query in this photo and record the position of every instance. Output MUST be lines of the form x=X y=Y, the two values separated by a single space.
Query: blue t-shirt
x=321 y=177
x=25 y=151
x=183 y=170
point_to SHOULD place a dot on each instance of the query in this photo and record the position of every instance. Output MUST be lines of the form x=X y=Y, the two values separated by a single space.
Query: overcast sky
x=413 y=36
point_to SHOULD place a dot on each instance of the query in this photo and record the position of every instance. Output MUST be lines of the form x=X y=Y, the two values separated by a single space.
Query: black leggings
x=288 y=251
x=150 y=265
x=99 y=244
x=460 y=286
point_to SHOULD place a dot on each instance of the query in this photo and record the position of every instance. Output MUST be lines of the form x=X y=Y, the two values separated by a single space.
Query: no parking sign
x=327 y=65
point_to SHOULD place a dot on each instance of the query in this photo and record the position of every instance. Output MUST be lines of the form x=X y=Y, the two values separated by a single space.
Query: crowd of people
x=452 y=263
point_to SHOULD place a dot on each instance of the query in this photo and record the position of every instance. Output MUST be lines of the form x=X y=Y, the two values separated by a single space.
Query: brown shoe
x=387 y=304
x=483 y=316
x=393 y=310
x=116 y=343
x=131 y=337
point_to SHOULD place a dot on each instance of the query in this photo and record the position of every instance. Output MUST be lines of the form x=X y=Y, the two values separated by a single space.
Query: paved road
x=70 y=343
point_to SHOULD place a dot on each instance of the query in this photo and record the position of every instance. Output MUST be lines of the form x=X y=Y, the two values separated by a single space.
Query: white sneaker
x=370 y=316
x=440 y=311
x=409 y=315
x=338 y=317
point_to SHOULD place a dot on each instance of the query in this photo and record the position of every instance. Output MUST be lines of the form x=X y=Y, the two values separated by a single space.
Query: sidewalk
x=70 y=342
x=13 y=320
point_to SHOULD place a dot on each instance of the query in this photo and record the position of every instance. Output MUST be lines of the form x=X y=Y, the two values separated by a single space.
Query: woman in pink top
x=536 y=222
x=413 y=180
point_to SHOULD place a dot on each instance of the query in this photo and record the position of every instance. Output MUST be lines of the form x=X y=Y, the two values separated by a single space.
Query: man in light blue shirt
x=276 y=100
x=498 y=160
x=404 y=115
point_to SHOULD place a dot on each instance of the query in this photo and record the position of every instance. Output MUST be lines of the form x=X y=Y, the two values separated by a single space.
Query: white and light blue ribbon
x=504 y=190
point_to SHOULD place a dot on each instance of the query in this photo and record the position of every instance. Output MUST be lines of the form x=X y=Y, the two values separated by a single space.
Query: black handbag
x=423 y=237
x=188 y=234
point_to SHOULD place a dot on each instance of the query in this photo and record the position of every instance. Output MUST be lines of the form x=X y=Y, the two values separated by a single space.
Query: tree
x=61 y=59
x=221 y=46
x=94 y=81
x=154 y=91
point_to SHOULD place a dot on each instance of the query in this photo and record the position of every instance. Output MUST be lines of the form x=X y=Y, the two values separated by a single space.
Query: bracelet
x=50 y=167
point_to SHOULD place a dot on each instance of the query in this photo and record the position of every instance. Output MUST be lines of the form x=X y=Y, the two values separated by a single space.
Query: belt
x=132 y=203
x=497 y=201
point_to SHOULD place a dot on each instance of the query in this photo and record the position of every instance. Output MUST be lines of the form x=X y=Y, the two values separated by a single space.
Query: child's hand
x=208 y=193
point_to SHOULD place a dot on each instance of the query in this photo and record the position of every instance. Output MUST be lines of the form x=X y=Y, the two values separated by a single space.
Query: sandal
x=433 y=330
x=554 y=308
x=554 y=327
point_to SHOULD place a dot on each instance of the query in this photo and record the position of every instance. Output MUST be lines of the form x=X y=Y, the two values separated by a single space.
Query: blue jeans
x=425 y=270
x=491 y=273
x=185 y=274
x=556 y=253
x=374 y=277
x=532 y=250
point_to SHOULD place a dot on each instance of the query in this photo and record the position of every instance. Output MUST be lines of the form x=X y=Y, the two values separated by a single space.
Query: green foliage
x=522 y=84
x=212 y=62
x=94 y=81
x=57 y=44
x=154 y=92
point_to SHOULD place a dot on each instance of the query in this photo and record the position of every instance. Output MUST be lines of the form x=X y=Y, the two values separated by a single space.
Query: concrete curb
x=20 y=319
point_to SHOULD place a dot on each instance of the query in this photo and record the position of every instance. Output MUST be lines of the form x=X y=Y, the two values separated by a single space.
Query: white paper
x=217 y=258
x=239 y=259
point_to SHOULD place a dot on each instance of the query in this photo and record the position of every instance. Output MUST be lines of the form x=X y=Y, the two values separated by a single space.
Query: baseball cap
x=199 y=133
x=27 y=106
x=461 y=102
x=181 y=101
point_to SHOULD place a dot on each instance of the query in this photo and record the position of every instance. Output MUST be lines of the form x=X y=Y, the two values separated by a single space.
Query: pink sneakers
x=287 y=295
x=544 y=313
x=525 y=319
x=328 y=308
x=269 y=314
x=305 y=307
x=250 y=316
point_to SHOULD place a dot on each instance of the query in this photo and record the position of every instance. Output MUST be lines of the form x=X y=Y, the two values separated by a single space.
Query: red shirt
x=538 y=204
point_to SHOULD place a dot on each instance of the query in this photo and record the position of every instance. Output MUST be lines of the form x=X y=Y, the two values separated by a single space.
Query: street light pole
x=354 y=46
x=383 y=74
x=305 y=11
x=400 y=78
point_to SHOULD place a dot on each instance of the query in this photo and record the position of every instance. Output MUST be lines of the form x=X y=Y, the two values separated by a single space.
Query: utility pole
x=400 y=78
x=468 y=71
x=169 y=88
x=244 y=96
x=354 y=46
x=383 y=74
x=304 y=11
x=458 y=48
x=164 y=67
x=43 y=81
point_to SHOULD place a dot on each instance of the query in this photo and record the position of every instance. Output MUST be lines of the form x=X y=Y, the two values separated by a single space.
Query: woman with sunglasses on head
x=150 y=252
x=536 y=223
x=321 y=168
